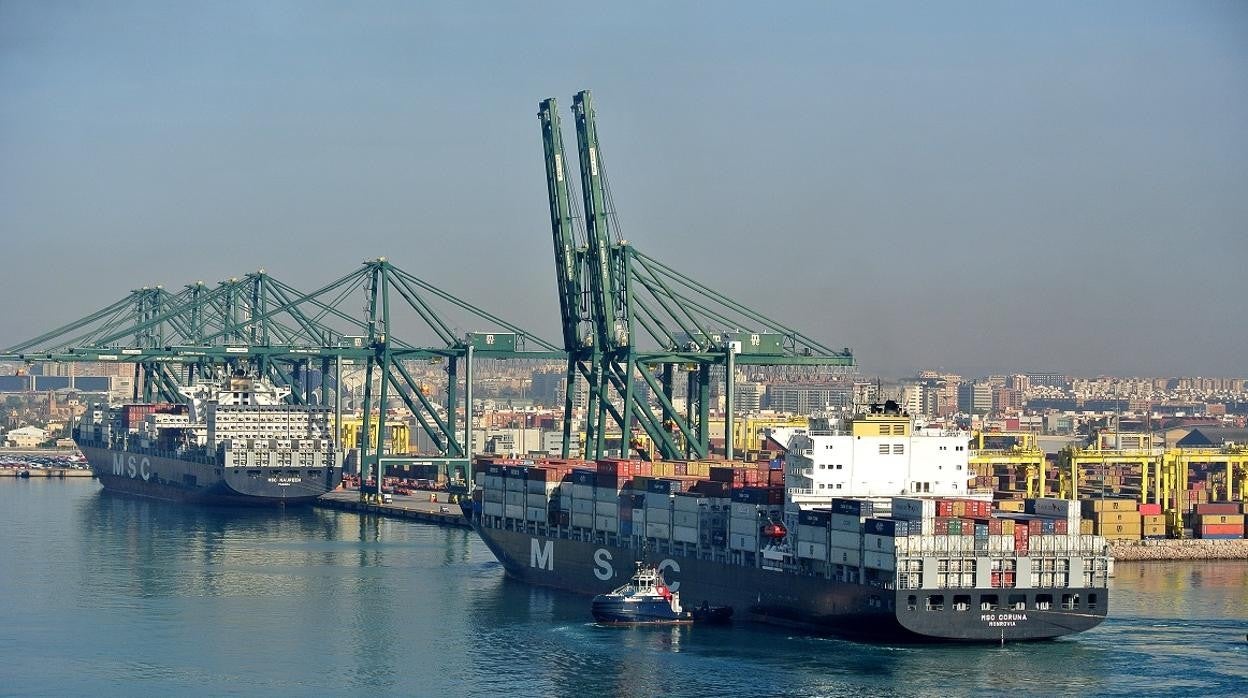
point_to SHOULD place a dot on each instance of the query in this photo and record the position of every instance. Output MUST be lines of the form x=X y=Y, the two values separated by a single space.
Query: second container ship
x=233 y=441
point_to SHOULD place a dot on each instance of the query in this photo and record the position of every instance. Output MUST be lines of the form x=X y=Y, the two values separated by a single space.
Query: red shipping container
x=1221 y=530
x=1060 y=528
x=1218 y=508
x=1150 y=509
x=775 y=477
x=994 y=527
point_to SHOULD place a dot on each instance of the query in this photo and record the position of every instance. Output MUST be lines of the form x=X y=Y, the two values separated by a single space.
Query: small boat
x=646 y=599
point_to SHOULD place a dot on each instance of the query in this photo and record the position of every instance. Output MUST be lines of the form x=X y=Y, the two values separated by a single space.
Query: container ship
x=863 y=529
x=233 y=441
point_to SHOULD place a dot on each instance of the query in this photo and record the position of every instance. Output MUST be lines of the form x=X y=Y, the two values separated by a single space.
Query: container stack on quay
x=1218 y=520
x=1116 y=518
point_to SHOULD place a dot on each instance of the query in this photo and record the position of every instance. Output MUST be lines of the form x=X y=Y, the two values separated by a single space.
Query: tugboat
x=646 y=599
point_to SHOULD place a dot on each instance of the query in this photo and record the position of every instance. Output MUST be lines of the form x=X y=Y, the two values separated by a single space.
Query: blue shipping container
x=812 y=517
x=853 y=507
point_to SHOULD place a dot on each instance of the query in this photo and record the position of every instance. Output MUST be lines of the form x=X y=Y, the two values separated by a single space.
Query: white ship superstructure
x=883 y=453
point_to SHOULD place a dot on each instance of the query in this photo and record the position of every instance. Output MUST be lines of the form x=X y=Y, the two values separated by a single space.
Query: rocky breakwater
x=1192 y=549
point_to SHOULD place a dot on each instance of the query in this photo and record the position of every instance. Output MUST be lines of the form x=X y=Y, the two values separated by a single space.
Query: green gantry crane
x=690 y=328
x=277 y=331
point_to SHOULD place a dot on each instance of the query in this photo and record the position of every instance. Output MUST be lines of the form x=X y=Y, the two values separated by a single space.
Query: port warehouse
x=732 y=513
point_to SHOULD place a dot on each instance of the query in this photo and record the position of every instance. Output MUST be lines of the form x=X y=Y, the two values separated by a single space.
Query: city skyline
x=982 y=190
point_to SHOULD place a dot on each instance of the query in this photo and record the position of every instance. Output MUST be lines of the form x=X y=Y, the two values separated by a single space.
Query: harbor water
x=108 y=595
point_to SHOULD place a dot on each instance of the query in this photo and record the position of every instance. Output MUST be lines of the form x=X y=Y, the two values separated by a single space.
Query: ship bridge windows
x=962 y=602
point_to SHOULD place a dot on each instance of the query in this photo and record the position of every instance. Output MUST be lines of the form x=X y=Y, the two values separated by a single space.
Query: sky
x=978 y=187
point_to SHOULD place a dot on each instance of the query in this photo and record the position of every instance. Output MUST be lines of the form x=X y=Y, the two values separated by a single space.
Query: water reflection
x=130 y=596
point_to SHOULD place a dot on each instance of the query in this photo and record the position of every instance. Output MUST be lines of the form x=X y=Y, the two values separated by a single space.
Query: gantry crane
x=609 y=290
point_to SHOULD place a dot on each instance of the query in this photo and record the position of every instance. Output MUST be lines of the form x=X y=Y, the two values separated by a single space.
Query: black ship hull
x=147 y=474
x=808 y=602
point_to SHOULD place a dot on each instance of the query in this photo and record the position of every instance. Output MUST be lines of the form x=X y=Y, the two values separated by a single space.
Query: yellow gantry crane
x=1015 y=452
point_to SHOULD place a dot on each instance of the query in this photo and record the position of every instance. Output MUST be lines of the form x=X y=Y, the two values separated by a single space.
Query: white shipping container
x=535 y=514
x=513 y=497
x=582 y=520
x=913 y=508
x=657 y=530
x=844 y=556
x=685 y=534
x=845 y=522
x=606 y=509
x=492 y=508
x=609 y=524
x=814 y=534
x=662 y=516
x=583 y=506
x=812 y=551
x=654 y=500
x=876 y=543
x=537 y=500
x=582 y=491
x=879 y=561
x=536 y=486
x=606 y=494
x=846 y=539
x=515 y=484
x=740 y=541
x=513 y=511
x=493 y=496
x=685 y=518
x=1053 y=507
x=741 y=510
x=688 y=503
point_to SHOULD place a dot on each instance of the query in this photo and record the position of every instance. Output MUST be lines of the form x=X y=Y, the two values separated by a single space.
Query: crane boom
x=607 y=285
x=567 y=256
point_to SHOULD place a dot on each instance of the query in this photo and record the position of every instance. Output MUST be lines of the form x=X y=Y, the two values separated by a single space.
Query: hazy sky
x=979 y=186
